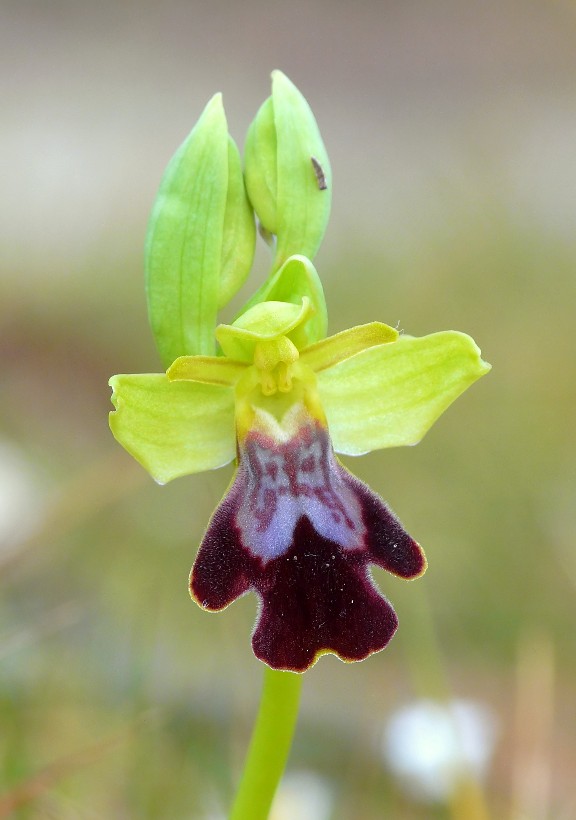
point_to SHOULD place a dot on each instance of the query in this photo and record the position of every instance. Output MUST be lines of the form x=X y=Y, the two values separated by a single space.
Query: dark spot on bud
x=320 y=175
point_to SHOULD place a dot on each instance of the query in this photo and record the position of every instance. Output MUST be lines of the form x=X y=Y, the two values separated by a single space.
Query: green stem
x=269 y=746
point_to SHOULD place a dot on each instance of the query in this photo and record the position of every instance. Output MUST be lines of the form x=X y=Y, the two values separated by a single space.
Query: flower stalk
x=270 y=745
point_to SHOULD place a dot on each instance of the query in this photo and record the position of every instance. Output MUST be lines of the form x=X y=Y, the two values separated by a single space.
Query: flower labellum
x=299 y=530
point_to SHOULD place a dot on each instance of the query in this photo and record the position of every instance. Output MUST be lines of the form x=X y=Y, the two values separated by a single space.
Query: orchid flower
x=295 y=526
x=273 y=393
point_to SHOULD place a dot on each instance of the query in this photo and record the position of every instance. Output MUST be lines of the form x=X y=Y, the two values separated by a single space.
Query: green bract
x=288 y=175
x=201 y=238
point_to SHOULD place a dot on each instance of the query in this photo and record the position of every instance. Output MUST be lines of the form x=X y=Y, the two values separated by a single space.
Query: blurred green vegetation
x=119 y=698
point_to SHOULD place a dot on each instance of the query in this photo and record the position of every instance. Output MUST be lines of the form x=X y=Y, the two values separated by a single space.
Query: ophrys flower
x=295 y=526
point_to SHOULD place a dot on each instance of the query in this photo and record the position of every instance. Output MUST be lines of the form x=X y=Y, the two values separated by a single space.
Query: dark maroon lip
x=315 y=588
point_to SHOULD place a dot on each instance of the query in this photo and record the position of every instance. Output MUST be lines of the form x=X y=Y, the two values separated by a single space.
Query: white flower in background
x=303 y=795
x=20 y=498
x=431 y=746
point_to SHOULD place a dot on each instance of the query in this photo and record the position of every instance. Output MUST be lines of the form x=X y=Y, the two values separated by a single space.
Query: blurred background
x=451 y=129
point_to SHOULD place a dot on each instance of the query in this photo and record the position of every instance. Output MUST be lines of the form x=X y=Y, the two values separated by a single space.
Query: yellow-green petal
x=334 y=349
x=390 y=395
x=173 y=428
x=206 y=369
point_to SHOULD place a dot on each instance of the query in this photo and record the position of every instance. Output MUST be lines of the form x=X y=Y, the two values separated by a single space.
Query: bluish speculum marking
x=285 y=480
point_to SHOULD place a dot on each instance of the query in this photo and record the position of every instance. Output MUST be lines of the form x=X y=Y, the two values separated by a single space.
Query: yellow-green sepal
x=173 y=428
x=287 y=170
x=296 y=280
x=200 y=241
x=391 y=394
x=264 y=322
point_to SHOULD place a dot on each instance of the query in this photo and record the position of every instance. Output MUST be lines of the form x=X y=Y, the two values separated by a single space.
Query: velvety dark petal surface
x=389 y=545
x=223 y=570
x=317 y=599
x=301 y=535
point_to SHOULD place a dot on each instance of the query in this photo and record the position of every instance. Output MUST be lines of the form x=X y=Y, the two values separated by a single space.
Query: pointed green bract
x=288 y=174
x=200 y=241
x=173 y=428
x=390 y=395
x=295 y=280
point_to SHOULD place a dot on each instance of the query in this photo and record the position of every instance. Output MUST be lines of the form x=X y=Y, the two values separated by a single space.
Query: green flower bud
x=287 y=172
x=201 y=237
x=239 y=231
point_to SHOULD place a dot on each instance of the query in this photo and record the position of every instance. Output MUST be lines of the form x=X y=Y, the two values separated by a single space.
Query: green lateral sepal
x=173 y=428
x=390 y=395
